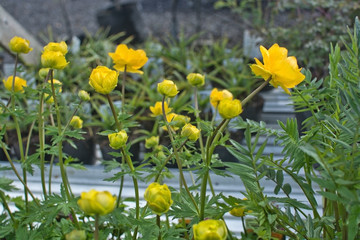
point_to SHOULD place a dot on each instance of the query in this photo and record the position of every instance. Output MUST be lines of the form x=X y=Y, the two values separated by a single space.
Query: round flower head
x=216 y=96
x=118 y=140
x=152 y=142
x=191 y=132
x=19 y=45
x=96 y=202
x=282 y=70
x=18 y=85
x=156 y=110
x=132 y=59
x=229 y=108
x=210 y=229
x=57 y=47
x=196 y=79
x=76 y=122
x=84 y=95
x=167 y=88
x=103 y=79
x=158 y=198
x=53 y=59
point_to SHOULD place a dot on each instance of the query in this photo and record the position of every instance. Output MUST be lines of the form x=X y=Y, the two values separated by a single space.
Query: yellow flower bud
x=76 y=122
x=19 y=45
x=103 y=79
x=43 y=72
x=157 y=109
x=216 y=96
x=239 y=211
x=53 y=59
x=118 y=140
x=56 y=47
x=196 y=79
x=19 y=84
x=96 y=202
x=158 y=198
x=167 y=88
x=210 y=229
x=191 y=132
x=84 y=95
x=76 y=235
x=152 y=142
x=179 y=120
x=229 y=108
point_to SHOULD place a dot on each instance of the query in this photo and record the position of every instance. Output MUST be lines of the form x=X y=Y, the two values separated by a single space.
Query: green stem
x=197 y=121
x=251 y=95
x=244 y=225
x=123 y=91
x=6 y=206
x=178 y=161
x=61 y=163
x=118 y=125
x=158 y=223
x=96 y=233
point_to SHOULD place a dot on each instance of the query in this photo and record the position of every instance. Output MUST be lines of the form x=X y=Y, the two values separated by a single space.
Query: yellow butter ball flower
x=132 y=59
x=53 y=59
x=118 y=140
x=103 y=79
x=76 y=122
x=283 y=70
x=167 y=88
x=210 y=229
x=179 y=120
x=57 y=47
x=19 y=84
x=97 y=202
x=19 y=45
x=191 y=132
x=76 y=235
x=196 y=79
x=84 y=95
x=216 y=96
x=156 y=110
x=158 y=198
x=152 y=142
x=229 y=108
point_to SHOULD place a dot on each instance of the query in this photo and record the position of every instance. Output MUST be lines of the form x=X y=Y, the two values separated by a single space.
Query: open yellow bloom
x=210 y=229
x=103 y=79
x=118 y=140
x=283 y=70
x=158 y=198
x=19 y=45
x=132 y=59
x=191 y=132
x=157 y=109
x=18 y=85
x=167 y=88
x=96 y=202
x=53 y=59
x=57 y=47
x=216 y=96
x=229 y=108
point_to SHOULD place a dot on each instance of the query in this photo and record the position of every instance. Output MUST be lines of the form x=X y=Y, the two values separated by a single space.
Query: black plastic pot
x=84 y=151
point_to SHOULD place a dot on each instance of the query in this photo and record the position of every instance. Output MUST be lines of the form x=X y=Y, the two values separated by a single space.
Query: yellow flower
x=57 y=86
x=283 y=70
x=239 y=211
x=196 y=79
x=84 y=95
x=56 y=47
x=53 y=59
x=229 y=108
x=158 y=198
x=210 y=229
x=96 y=202
x=76 y=122
x=103 y=79
x=179 y=120
x=152 y=142
x=132 y=59
x=167 y=88
x=18 y=85
x=157 y=109
x=43 y=72
x=216 y=96
x=19 y=45
x=118 y=140
x=76 y=235
x=191 y=132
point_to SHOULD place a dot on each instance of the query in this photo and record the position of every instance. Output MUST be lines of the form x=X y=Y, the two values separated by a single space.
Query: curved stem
x=6 y=206
x=251 y=95
x=178 y=161
x=118 y=125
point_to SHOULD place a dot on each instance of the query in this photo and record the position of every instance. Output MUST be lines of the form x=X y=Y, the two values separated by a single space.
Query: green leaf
x=287 y=188
x=6 y=184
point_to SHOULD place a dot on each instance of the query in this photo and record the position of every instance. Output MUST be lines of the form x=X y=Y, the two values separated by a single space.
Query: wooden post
x=9 y=28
